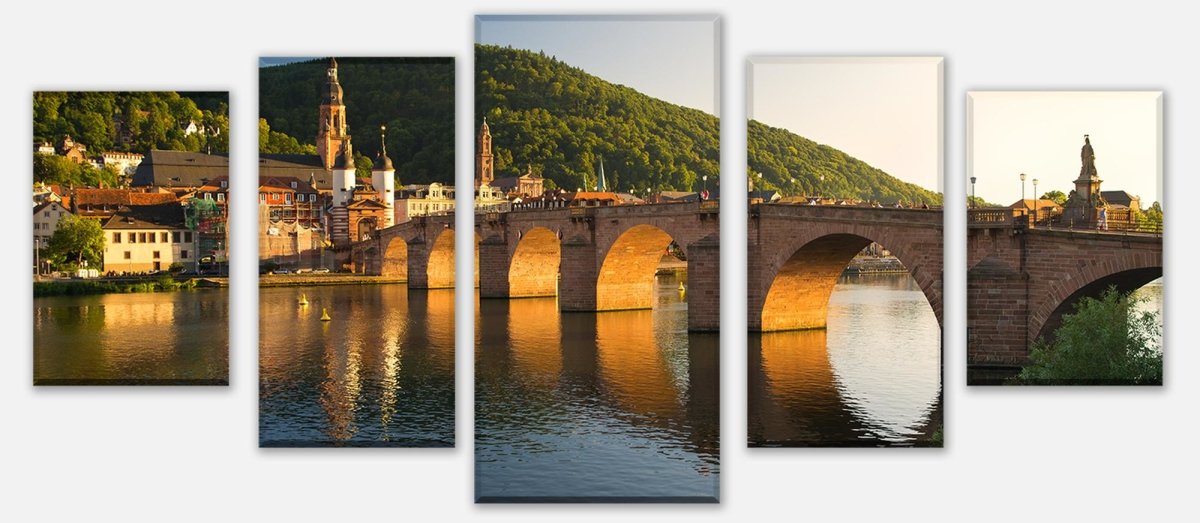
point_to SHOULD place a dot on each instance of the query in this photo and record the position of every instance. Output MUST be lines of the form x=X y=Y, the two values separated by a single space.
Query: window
x=287 y=198
x=165 y=237
x=183 y=255
x=37 y=226
x=156 y=256
x=224 y=184
x=153 y=237
x=127 y=255
x=175 y=236
x=208 y=196
x=293 y=184
x=46 y=214
x=116 y=237
x=300 y=197
x=262 y=197
x=187 y=236
x=220 y=197
x=133 y=237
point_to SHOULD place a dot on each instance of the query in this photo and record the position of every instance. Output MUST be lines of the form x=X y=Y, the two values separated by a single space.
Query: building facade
x=148 y=238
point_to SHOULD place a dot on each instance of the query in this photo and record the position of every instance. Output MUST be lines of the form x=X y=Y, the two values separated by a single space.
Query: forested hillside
x=413 y=97
x=135 y=121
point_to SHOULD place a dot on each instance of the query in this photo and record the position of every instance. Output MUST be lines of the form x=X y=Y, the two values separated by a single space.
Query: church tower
x=383 y=180
x=484 y=163
x=333 y=133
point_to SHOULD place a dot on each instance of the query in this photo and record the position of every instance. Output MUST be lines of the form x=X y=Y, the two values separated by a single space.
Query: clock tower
x=484 y=162
x=333 y=133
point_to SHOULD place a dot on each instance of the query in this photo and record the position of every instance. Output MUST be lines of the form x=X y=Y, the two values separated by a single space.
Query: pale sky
x=1041 y=134
x=670 y=58
x=884 y=111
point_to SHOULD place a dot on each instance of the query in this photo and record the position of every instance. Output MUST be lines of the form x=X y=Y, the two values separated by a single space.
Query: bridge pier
x=493 y=281
x=418 y=265
x=580 y=271
x=704 y=284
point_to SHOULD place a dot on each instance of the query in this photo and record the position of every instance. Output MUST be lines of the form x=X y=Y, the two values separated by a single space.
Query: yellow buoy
x=325 y=315
x=303 y=299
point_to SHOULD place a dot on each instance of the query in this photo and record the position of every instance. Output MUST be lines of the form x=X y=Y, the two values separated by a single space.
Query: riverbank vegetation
x=1107 y=341
x=85 y=287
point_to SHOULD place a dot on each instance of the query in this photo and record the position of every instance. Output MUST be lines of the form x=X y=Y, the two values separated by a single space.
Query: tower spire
x=484 y=162
x=601 y=186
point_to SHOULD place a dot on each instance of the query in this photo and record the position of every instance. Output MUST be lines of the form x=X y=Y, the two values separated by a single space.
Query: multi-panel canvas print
x=845 y=252
x=130 y=238
x=597 y=189
x=356 y=252
x=1065 y=238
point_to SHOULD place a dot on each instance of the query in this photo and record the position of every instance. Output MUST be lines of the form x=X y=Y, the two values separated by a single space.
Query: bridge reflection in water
x=380 y=374
x=595 y=406
x=871 y=378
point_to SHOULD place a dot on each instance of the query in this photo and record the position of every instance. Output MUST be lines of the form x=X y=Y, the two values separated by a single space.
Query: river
x=872 y=377
x=607 y=406
x=153 y=338
x=380 y=373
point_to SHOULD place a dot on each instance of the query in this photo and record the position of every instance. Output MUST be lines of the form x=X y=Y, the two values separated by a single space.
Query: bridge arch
x=439 y=268
x=1125 y=273
x=395 y=258
x=627 y=274
x=535 y=264
x=801 y=275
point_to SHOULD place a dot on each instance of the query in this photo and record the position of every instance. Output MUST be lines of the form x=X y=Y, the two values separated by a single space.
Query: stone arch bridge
x=1023 y=277
x=592 y=258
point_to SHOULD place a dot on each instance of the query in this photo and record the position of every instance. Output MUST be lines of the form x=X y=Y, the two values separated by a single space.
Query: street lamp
x=1036 y=200
x=1022 y=188
x=705 y=179
x=821 y=187
x=974 y=202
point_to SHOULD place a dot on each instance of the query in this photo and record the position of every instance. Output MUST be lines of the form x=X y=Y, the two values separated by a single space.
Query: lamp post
x=974 y=202
x=1022 y=187
x=821 y=187
x=1036 y=199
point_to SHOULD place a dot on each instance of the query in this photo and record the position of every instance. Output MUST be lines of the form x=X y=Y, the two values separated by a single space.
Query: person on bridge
x=1103 y=222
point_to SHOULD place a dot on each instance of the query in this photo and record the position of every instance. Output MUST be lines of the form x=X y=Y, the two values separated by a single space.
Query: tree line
x=133 y=121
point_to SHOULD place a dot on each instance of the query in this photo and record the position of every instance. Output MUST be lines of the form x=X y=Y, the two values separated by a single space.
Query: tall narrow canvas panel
x=597 y=185
x=130 y=239
x=356 y=252
x=845 y=251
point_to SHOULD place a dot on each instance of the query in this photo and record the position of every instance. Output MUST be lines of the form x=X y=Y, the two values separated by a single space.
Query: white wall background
x=190 y=454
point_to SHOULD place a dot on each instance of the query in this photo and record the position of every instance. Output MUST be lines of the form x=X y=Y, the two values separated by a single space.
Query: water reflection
x=138 y=338
x=380 y=373
x=585 y=406
x=871 y=378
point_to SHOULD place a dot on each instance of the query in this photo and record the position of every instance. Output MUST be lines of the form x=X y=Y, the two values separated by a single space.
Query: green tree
x=76 y=240
x=977 y=202
x=275 y=142
x=1105 y=341
x=1152 y=218
x=58 y=169
x=1057 y=196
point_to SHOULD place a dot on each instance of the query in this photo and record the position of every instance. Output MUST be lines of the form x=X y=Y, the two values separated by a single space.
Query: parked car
x=321 y=270
x=282 y=270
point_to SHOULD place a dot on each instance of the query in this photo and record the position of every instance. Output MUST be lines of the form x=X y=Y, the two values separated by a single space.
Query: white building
x=45 y=221
x=424 y=200
x=148 y=238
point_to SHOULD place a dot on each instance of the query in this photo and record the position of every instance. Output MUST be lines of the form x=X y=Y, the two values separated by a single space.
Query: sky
x=271 y=61
x=1041 y=134
x=670 y=58
x=884 y=111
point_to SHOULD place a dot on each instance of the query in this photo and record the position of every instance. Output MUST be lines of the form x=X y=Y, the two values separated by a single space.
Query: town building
x=183 y=170
x=423 y=200
x=45 y=221
x=76 y=152
x=124 y=163
x=104 y=203
x=148 y=238
x=526 y=185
